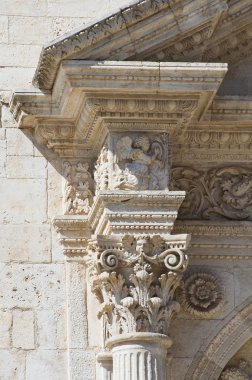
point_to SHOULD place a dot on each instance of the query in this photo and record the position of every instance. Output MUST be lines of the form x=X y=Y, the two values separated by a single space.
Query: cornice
x=128 y=33
x=90 y=98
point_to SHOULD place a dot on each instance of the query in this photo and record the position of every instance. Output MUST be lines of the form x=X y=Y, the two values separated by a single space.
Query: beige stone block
x=51 y=329
x=55 y=189
x=47 y=364
x=85 y=8
x=26 y=167
x=179 y=368
x=82 y=365
x=25 y=201
x=5 y=328
x=77 y=308
x=23 y=329
x=243 y=282
x=61 y=25
x=3 y=151
x=12 y=365
x=29 y=30
x=18 y=143
x=188 y=336
x=16 y=77
x=2 y=134
x=3 y=29
x=27 y=7
x=7 y=119
x=57 y=249
x=27 y=286
x=19 y=55
x=32 y=243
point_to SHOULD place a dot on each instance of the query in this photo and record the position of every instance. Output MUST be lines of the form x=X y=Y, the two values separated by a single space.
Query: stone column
x=135 y=279
x=140 y=356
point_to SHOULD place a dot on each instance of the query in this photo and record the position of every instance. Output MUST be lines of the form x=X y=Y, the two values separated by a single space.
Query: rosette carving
x=135 y=282
x=201 y=295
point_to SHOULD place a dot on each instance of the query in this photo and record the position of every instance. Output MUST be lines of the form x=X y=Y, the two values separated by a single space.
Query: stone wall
x=32 y=290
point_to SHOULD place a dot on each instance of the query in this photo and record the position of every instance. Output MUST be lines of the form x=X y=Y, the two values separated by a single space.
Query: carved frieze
x=78 y=187
x=135 y=279
x=201 y=295
x=216 y=193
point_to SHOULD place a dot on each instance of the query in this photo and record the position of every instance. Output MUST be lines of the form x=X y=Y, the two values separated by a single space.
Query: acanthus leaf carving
x=135 y=282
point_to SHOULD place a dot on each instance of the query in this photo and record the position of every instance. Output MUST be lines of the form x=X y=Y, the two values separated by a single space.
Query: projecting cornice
x=132 y=33
x=91 y=98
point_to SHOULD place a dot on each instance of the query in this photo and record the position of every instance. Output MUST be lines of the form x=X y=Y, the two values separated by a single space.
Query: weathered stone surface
x=18 y=143
x=3 y=29
x=26 y=167
x=51 y=329
x=12 y=364
x=82 y=365
x=5 y=328
x=21 y=30
x=28 y=200
x=19 y=55
x=46 y=364
x=32 y=243
x=23 y=329
x=32 y=286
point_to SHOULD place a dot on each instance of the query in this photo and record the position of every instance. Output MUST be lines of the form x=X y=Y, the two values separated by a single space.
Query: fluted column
x=139 y=356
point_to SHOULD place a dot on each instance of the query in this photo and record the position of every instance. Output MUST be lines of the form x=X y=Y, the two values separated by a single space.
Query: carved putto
x=222 y=192
x=140 y=163
x=202 y=294
x=135 y=282
x=78 y=189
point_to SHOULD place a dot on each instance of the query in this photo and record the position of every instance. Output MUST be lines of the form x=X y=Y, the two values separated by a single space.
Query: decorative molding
x=216 y=193
x=133 y=31
x=135 y=278
x=201 y=294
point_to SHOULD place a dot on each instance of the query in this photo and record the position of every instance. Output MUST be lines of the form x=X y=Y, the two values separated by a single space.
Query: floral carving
x=140 y=163
x=101 y=170
x=201 y=294
x=78 y=190
x=135 y=282
x=222 y=192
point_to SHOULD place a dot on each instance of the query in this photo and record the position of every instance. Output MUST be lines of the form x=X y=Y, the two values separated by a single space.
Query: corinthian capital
x=134 y=279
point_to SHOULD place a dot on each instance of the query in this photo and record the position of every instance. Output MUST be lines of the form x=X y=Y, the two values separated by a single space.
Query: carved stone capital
x=134 y=279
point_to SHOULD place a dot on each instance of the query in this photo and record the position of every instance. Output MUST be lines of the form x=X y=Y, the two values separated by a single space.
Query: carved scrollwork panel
x=216 y=193
x=239 y=372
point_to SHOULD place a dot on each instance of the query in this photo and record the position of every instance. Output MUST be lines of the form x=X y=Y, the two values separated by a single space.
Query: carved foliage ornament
x=241 y=372
x=78 y=188
x=201 y=295
x=135 y=284
x=221 y=192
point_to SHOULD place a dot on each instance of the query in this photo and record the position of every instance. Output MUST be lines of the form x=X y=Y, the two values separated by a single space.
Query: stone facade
x=126 y=190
